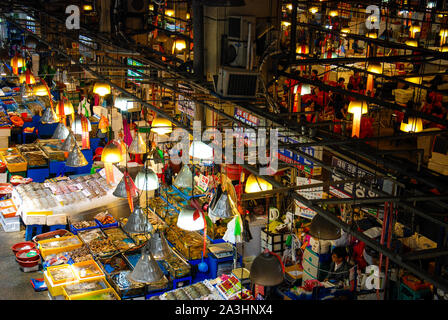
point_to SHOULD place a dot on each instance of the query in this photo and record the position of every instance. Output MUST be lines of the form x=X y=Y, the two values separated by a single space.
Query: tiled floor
x=15 y=284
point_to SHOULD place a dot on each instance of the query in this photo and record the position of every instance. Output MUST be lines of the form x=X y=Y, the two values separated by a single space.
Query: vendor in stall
x=339 y=267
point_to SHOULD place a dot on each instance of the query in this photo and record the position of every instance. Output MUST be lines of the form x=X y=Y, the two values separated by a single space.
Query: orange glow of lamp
x=375 y=68
x=443 y=35
x=111 y=154
x=413 y=30
x=16 y=63
x=357 y=108
x=413 y=125
x=302 y=49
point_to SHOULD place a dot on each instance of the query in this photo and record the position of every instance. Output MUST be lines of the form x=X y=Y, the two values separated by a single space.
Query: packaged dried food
x=84 y=224
x=80 y=254
x=102 y=247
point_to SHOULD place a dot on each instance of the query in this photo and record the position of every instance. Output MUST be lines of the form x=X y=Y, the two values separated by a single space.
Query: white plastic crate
x=10 y=224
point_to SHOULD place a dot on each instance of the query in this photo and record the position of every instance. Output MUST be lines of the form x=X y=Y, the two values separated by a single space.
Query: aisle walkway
x=15 y=284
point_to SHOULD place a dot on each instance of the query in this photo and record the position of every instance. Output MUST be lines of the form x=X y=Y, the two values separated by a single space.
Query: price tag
x=203 y=182
x=86 y=192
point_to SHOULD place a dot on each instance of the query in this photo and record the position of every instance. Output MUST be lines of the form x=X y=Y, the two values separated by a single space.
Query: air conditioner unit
x=238 y=27
x=237 y=83
x=234 y=53
x=137 y=6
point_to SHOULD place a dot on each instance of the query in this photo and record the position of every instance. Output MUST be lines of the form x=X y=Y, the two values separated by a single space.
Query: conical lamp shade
x=111 y=153
x=257 y=184
x=266 y=270
x=138 y=145
x=322 y=229
x=68 y=108
x=77 y=126
x=189 y=220
x=147 y=180
x=61 y=132
x=146 y=270
x=184 y=178
x=120 y=190
x=200 y=150
x=76 y=158
x=161 y=126
x=68 y=143
x=138 y=222
x=49 y=116
x=159 y=246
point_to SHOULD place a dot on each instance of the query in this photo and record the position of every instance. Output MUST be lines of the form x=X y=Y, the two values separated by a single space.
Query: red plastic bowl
x=22 y=255
x=23 y=246
x=27 y=264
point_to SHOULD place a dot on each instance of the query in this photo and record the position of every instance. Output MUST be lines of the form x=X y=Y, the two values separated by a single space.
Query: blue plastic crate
x=75 y=231
x=38 y=174
x=109 y=225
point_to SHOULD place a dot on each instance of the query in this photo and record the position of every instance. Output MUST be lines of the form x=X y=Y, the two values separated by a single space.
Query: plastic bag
x=221 y=209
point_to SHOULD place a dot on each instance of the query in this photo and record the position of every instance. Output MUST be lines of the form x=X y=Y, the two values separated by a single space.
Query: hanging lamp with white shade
x=190 y=219
x=147 y=180
x=200 y=150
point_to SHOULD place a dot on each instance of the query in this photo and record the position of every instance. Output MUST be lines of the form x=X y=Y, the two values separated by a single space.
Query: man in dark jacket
x=339 y=267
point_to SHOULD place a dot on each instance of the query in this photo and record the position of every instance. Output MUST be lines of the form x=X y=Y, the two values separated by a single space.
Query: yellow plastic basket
x=56 y=289
x=101 y=281
x=95 y=295
x=13 y=167
x=47 y=252
x=92 y=263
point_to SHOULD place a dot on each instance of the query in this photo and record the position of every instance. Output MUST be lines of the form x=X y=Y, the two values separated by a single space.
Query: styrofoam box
x=56 y=219
x=34 y=219
x=5 y=132
x=4 y=141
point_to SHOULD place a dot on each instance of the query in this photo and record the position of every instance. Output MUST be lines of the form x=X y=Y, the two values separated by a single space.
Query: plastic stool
x=57 y=227
x=32 y=230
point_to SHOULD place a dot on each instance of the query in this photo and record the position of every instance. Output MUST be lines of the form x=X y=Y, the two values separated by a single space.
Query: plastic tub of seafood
x=73 y=290
x=87 y=270
x=75 y=227
x=106 y=294
x=56 y=245
x=56 y=277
